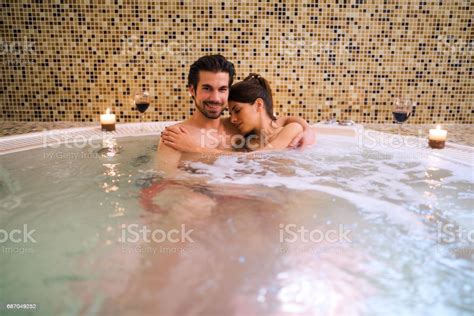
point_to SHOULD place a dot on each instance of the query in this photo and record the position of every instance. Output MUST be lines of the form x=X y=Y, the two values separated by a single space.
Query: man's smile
x=213 y=106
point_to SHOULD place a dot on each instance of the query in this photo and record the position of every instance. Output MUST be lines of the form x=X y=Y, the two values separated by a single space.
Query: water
x=338 y=229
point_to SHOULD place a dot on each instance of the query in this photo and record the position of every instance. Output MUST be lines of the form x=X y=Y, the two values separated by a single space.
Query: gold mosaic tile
x=344 y=59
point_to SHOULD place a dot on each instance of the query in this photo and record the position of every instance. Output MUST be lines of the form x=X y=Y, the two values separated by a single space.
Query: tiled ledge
x=16 y=128
x=462 y=134
x=457 y=133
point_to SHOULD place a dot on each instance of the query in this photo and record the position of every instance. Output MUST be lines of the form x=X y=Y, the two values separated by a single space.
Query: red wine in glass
x=401 y=111
x=400 y=116
x=142 y=106
x=142 y=102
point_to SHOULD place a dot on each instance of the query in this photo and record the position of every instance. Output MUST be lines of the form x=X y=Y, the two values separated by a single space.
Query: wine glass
x=401 y=111
x=142 y=102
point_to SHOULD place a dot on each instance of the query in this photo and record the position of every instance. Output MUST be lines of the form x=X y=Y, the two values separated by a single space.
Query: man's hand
x=179 y=138
x=303 y=139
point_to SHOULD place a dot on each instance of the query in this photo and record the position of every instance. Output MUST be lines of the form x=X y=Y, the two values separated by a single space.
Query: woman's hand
x=179 y=138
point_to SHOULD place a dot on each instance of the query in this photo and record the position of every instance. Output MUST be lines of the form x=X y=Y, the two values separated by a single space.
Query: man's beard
x=207 y=114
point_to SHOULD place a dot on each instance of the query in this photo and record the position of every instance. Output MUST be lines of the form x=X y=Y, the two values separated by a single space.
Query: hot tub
x=363 y=223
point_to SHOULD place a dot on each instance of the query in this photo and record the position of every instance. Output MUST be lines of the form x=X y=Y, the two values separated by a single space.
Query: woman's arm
x=180 y=141
x=285 y=137
x=307 y=137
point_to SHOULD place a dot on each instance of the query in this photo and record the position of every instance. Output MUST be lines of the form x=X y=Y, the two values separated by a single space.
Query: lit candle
x=437 y=137
x=107 y=121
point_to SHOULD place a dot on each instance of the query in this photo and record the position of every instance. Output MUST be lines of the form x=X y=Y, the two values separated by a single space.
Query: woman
x=251 y=111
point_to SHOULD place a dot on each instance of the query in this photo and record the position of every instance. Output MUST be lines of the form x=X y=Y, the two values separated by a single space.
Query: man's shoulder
x=181 y=123
x=185 y=123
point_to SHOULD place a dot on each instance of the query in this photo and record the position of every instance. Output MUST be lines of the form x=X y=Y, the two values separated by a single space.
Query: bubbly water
x=337 y=229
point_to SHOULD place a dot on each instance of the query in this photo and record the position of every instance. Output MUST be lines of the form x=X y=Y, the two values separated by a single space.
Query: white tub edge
x=17 y=143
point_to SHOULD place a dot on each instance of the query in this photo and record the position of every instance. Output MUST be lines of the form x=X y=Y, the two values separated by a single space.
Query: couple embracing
x=251 y=126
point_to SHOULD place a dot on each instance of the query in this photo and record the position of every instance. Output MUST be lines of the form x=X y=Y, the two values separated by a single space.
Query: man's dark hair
x=212 y=63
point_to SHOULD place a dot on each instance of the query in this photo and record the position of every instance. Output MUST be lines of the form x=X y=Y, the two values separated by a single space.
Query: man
x=209 y=80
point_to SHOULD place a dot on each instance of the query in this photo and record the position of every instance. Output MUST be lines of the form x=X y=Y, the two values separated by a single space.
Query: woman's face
x=244 y=116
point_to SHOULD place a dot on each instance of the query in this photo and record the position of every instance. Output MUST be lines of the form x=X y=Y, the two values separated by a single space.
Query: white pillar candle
x=437 y=137
x=438 y=134
x=107 y=121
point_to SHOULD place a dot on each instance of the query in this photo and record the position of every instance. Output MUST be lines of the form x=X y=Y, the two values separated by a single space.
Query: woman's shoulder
x=292 y=127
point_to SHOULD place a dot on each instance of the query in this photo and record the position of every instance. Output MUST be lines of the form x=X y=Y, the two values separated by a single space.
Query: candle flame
x=108 y=111
x=438 y=127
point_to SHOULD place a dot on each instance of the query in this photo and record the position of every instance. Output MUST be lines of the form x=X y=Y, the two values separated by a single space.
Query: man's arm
x=167 y=159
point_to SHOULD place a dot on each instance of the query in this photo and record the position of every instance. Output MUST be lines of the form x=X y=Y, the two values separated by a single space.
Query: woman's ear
x=259 y=105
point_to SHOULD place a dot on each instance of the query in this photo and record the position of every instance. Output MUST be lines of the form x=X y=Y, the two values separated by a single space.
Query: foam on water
x=376 y=179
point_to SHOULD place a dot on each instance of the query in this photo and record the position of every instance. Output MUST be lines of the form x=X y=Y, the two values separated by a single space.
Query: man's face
x=211 y=93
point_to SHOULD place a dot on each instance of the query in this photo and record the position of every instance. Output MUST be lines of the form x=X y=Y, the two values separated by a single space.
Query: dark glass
x=142 y=102
x=401 y=116
x=142 y=106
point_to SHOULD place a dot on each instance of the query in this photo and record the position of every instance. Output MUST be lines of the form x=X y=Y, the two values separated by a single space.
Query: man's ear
x=191 y=91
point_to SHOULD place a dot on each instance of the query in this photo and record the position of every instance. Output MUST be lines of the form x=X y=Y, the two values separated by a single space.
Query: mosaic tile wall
x=69 y=61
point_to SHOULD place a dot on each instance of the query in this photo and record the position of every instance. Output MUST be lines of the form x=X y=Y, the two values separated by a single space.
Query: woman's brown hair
x=252 y=88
